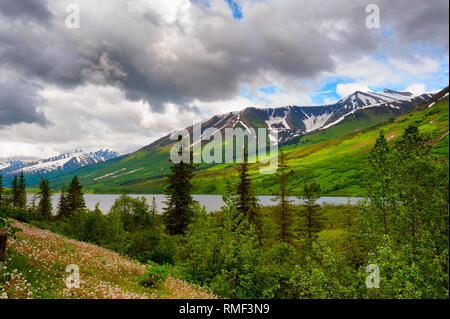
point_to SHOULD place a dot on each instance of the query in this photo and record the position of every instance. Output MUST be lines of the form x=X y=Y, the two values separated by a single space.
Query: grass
x=36 y=262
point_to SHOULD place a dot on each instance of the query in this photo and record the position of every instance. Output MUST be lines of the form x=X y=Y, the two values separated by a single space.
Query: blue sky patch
x=235 y=9
x=271 y=89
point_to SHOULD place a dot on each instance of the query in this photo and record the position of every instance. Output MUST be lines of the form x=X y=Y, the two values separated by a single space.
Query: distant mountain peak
x=295 y=121
x=64 y=162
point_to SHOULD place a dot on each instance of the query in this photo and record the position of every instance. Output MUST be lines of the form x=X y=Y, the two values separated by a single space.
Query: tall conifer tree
x=178 y=212
x=22 y=193
x=1 y=191
x=75 y=196
x=380 y=183
x=63 y=207
x=284 y=217
x=246 y=202
x=45 y=201
x=15 y=192
x=311 y=216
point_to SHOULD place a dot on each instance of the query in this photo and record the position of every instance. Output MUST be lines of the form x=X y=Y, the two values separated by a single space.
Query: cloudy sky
x=135 y=70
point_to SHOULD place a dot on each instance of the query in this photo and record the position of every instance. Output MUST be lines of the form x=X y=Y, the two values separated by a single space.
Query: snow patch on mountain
x=11 y=164
x=275 y=121
x=349 y=113
x=313 y=122
x=44 y=166
x=110 y=174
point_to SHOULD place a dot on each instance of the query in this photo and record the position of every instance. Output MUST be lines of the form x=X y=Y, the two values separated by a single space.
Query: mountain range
x=293 y=122
x=303 y=131
x=54 y=166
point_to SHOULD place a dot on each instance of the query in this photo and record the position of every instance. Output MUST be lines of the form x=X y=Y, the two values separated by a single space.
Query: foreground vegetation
x=248 y=251
x=35 y=267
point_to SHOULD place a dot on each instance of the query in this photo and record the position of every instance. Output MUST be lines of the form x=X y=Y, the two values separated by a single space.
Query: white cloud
x=189 y=62
x=367 y=70
x=328 y=101
x=90 y=117
x=346 y=89
x=421 y=67
x=416 y=88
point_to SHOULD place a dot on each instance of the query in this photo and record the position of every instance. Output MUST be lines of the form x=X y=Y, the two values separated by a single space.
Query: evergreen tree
x=33 y=209
x=311 y=216
x=416 y=184
x=416 y=249
x=45 y=201
x=412 y=144
x=63 y=207
x=1 y=191
x=380 y=192
x=349 y=215
x=154 y=206
x=284 y=217
x=22 y=193
x=179 y=212
x=75 y=196
x=15 y=192
x=246 y=201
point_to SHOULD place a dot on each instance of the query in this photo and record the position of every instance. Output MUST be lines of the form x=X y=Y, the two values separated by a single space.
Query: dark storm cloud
x=206 y=56
x=18 y=104
x=417 y=20
x=25 y=9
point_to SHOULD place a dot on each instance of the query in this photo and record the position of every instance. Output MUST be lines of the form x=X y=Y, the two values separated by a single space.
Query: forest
x=289 y=251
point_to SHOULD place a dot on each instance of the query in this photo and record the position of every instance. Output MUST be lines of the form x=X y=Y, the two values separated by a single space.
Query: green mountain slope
x=334 y=157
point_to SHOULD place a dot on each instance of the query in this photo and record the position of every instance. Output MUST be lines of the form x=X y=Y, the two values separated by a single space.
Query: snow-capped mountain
x=11 y=164
x=63 y=163
x=291 y=122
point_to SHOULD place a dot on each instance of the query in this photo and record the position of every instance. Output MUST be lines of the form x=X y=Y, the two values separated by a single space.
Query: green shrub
x=155 y=275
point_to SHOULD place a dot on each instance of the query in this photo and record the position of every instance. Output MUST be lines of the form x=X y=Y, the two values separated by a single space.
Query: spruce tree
x=22 y=193
x=412 y=144
x=379 y=182
x=15 y=192
x=75 y=196
x=63 y=207
x=45 y=201
x=178 y=212
x=284 y=217
x=1 y=191
x=33 y=209
x=415 y=186
x=311 y=215
x=154 y=206
x=246 y=202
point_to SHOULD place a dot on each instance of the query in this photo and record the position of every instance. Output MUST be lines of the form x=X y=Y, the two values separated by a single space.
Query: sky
x=128 y=72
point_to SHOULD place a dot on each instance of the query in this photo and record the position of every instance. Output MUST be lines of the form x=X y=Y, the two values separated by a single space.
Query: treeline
x=41 y=206
x=291 y=251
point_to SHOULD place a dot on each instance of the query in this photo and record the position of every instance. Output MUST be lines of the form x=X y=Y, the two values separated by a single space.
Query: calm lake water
x=211 y=202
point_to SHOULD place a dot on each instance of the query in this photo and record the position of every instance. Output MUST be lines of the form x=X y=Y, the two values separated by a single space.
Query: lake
x=211 y=202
